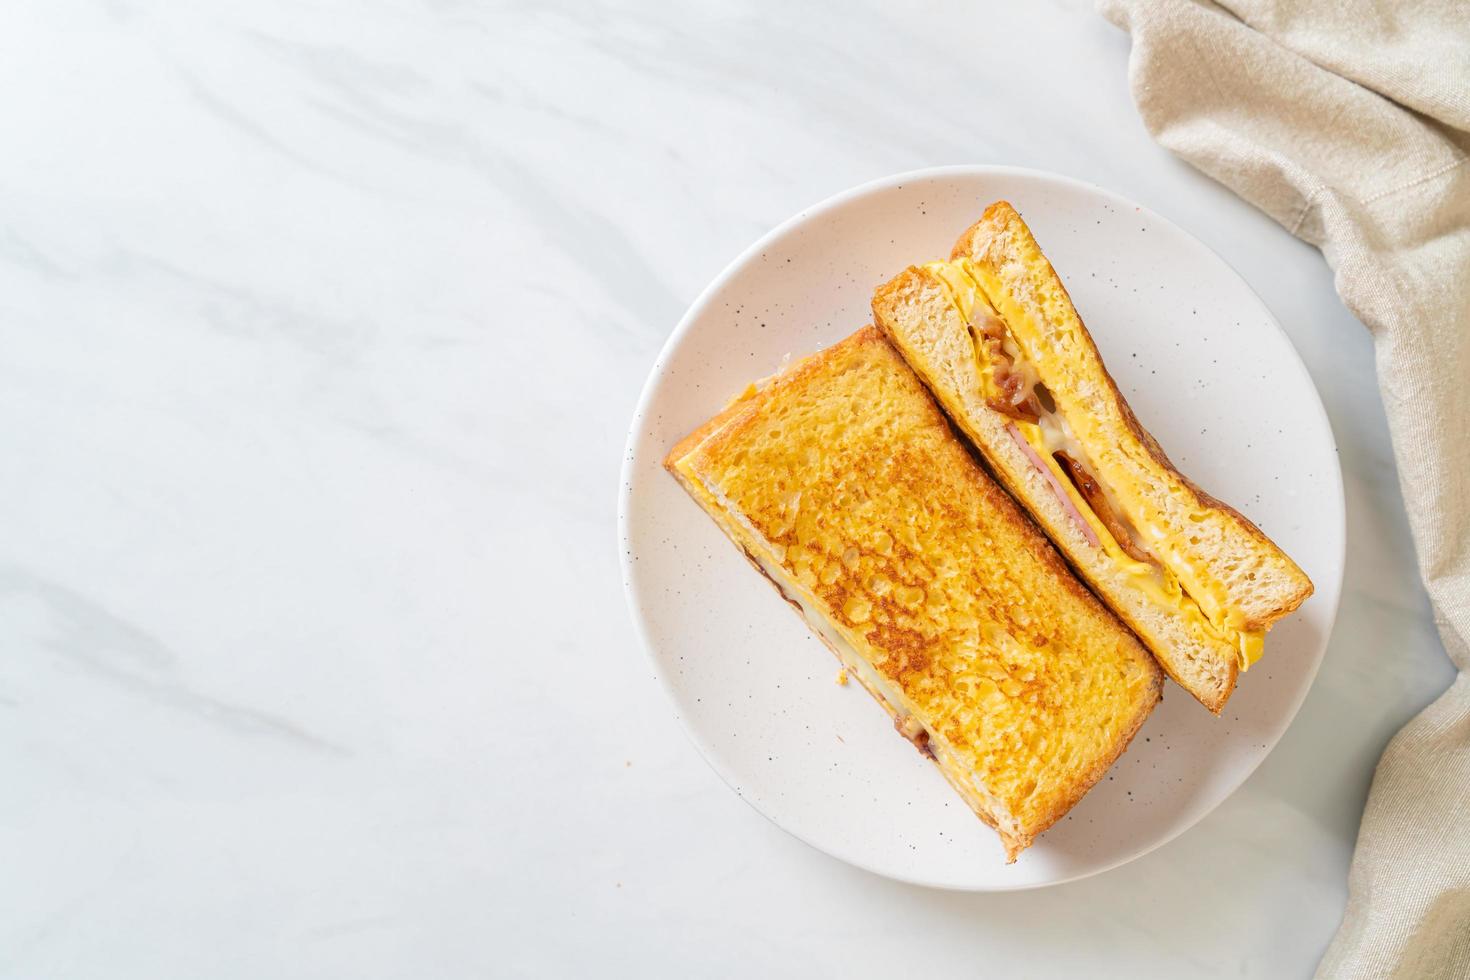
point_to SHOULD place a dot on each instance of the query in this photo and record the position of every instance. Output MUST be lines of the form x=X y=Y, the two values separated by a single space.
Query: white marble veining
x=320 y=326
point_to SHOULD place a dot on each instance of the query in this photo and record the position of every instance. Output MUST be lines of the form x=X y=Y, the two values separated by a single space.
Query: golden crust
x=847 y=479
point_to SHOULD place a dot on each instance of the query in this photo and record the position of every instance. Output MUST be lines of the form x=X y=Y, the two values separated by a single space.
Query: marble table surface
x=320 y=327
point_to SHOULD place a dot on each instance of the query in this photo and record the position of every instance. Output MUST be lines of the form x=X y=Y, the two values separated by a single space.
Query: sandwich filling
x=1109 y=513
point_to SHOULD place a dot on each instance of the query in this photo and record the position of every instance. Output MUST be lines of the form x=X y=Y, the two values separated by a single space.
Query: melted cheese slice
x=1179 y=580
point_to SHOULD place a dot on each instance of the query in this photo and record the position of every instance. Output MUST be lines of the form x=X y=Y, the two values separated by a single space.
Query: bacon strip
x=1056 y=487
x=987 y=333
x=1092 y=492
x=910 y=728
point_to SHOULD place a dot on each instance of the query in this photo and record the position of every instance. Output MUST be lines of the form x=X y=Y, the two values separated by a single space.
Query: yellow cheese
x=971 y=303
x=1180 y=579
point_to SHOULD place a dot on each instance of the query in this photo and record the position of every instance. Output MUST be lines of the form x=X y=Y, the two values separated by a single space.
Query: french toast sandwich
x=845 y=485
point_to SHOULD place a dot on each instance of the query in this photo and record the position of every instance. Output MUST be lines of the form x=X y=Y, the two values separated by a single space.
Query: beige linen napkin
x=1348 y=121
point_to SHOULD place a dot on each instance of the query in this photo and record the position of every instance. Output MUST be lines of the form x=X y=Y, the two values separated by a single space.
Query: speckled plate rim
x=633 y=453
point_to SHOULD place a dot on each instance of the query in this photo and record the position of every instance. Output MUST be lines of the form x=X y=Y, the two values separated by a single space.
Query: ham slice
x=1056 y=487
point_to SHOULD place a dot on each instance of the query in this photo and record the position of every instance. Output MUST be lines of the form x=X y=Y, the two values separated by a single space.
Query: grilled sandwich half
x=844 y=484
x=994 y=335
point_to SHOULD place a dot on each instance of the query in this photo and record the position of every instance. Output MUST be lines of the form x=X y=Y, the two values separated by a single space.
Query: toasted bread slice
x=994 y=335
x=843 y=483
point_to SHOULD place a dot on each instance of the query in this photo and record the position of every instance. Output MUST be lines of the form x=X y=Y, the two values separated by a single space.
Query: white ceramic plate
x=1204 y=365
